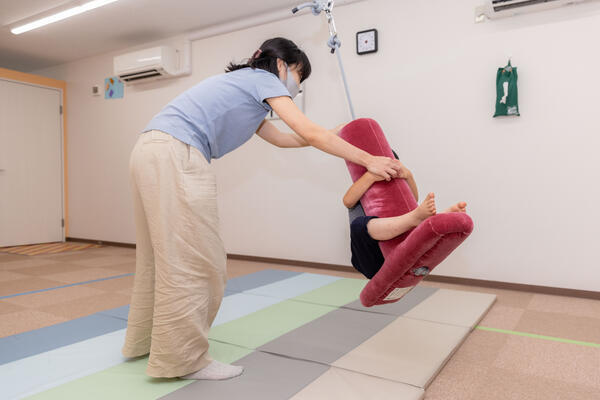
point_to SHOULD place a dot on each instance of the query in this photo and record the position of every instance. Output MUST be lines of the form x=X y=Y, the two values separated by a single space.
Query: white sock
x=216 y=371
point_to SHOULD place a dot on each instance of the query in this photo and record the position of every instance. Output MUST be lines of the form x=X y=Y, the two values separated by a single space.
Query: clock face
x=366 y=41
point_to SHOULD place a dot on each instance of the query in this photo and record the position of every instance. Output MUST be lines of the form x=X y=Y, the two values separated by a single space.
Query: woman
x=180 y=258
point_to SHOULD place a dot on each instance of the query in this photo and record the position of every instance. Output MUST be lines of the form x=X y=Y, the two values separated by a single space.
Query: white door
x=31 y=179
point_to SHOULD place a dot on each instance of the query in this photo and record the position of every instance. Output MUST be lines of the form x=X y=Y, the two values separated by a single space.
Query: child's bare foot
x=425 y=210
x=458 y=207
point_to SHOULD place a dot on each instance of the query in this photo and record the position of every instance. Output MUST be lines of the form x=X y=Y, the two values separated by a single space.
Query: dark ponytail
x=266 y=58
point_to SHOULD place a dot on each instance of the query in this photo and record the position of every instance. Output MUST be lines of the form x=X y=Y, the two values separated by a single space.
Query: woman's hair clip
x=256 y=54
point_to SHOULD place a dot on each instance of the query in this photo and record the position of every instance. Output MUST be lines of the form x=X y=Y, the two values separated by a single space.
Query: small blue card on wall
x=113 y=88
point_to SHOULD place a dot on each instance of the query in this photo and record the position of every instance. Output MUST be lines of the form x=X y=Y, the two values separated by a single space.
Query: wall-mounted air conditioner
x=148 y=64
x=494 y=9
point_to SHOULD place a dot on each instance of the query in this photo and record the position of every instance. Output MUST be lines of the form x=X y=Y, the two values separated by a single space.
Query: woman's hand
x=403 y=174
x=385 y=167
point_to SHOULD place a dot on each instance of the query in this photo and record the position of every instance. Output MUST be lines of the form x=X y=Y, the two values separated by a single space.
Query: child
x=367 y=231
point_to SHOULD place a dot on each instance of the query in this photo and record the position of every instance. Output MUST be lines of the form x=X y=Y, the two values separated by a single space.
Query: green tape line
x=533 y=335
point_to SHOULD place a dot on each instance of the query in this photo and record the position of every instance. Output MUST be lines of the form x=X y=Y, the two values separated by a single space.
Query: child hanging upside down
x=367 y=231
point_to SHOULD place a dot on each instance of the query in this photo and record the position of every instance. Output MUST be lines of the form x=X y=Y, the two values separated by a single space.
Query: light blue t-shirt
x=220 y=113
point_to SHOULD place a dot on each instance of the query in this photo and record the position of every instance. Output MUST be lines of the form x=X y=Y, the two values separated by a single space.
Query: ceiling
x=123 y=24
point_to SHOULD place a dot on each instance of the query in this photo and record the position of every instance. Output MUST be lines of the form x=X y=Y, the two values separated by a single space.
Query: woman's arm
x=359 y=188
x=269 y=132
x=329 y=142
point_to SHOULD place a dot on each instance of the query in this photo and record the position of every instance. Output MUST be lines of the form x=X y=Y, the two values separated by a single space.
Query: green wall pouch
x=507 y=94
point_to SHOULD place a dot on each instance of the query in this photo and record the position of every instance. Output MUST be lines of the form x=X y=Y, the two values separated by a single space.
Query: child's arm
x=412 y=184
x=359 y=188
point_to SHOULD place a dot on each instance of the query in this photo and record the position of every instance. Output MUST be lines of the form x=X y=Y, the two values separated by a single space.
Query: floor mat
x=300 y=336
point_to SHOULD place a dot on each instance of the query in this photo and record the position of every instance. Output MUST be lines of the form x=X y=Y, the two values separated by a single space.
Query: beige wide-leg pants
x=180 y=259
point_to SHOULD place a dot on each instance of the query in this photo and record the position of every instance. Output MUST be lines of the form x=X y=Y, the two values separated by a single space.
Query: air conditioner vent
x=502 y=5
x=140 y=75
x=494 y=9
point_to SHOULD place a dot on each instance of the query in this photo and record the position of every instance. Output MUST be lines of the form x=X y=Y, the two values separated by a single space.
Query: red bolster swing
x=427 y=245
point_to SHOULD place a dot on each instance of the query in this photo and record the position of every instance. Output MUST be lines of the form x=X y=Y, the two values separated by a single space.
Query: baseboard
x=284 y=261
x=102 y=242
x=586 y=294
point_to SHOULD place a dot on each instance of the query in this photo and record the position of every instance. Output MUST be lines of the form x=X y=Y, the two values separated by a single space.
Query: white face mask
x=290 y=83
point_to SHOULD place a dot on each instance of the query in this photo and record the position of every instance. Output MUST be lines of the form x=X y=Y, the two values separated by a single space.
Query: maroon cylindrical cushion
x=427 y=245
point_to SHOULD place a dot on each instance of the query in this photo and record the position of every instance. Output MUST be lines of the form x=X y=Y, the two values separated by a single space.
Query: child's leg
x=458 y=207
x=389 y=228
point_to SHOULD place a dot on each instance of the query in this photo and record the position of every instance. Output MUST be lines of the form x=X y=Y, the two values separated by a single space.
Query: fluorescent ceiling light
x=60 y=16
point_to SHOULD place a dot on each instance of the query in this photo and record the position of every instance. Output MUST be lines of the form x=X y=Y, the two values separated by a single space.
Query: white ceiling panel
x=117 y=25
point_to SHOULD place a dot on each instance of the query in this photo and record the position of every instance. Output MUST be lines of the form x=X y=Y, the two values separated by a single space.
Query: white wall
x=531 y=182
